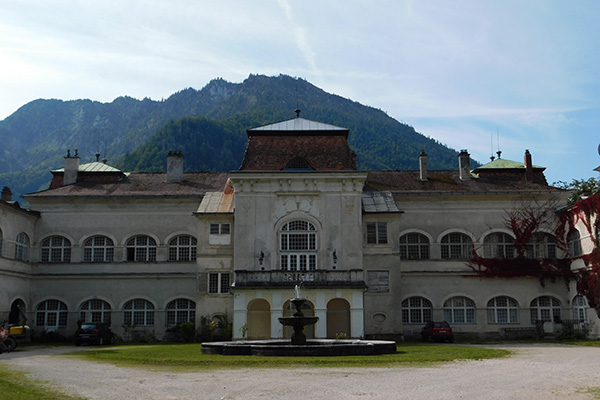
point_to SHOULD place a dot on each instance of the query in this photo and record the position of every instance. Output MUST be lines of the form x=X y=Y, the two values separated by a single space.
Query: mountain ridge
x=36 y=137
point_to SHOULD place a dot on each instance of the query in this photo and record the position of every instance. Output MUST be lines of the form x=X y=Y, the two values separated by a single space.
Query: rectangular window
x=219 y=282
x=378 y=281
x=377 y=233
x=220 y=234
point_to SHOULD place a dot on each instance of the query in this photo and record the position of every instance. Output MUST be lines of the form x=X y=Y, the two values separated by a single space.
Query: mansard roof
x=298 y=144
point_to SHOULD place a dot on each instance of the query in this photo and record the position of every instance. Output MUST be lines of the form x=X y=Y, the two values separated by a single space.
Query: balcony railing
x=318 y=278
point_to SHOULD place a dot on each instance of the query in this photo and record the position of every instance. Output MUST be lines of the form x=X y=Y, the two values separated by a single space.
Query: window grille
x=499 y=245
x=574 y=242
x=22 y=247
x=457 y=246
x=180 y=311
x=183 y=248
x=503 y=310
x=414 y=246
x=138 y=312
x=141 y=249
x=51 y=314
x=545 y=308
x=219 y=282
x=416 y=310
x=459 y=310
x=56 y=249
x=298 y=246
x=377 y=233
x=95 y=310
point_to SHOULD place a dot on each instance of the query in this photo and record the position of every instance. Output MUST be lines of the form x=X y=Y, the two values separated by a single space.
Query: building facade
x=376 y=253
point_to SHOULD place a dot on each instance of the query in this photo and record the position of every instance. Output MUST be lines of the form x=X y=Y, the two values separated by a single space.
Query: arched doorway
x=338 y=318
x=17 y=314
x=259 y=319
x=308 y=310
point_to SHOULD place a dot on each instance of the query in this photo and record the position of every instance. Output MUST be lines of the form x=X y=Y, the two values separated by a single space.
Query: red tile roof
x=143 y=184
x=450 y=182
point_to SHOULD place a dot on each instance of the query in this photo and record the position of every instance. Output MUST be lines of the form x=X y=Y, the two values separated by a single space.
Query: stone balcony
x=353 y=278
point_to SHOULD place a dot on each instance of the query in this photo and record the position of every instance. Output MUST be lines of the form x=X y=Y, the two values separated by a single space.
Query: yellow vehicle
x=16 y=334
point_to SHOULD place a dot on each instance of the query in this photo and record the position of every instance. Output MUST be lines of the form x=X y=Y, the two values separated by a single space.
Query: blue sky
x=474 y=75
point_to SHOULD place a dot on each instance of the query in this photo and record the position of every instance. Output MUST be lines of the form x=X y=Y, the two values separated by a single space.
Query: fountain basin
x=313 y=347
x=298 y=321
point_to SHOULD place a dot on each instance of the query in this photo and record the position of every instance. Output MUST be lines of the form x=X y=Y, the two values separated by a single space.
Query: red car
x=437 y=331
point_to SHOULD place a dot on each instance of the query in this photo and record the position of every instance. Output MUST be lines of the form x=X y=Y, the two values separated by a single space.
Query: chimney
x=423 y=166
x=174 y=166
x=6 y=194
x=464 y=165
x=71 y=168
x=528 y=166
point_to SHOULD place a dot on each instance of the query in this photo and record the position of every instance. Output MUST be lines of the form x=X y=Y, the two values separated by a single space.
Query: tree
x=580 y=188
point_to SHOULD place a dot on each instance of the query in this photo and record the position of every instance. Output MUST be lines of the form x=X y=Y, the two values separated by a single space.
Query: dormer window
x=298 y=163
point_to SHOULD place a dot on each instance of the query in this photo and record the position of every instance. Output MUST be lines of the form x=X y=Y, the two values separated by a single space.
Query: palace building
x=376 y=253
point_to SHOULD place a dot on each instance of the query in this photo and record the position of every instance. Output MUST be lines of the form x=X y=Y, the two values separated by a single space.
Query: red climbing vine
x=586 y=211
x=524 y=220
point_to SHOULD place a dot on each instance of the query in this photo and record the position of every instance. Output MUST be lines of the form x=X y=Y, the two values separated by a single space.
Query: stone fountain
x=298 y=321
x=299 y=345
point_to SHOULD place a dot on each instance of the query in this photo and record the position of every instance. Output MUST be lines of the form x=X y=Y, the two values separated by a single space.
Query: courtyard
x=533 y=371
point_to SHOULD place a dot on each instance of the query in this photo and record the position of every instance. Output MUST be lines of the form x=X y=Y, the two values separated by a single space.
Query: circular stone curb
x=314 y=347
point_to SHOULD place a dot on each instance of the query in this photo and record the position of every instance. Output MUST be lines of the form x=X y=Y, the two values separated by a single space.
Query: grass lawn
x=187 y=357
x=591 y=343
x=14 y=385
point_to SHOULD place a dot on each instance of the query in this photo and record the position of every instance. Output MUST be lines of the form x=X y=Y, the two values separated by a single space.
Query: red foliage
x=524 y=222
x=586 y=211
x=546 y=269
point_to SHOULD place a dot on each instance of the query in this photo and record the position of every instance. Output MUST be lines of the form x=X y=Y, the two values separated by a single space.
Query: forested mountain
x=208 y=125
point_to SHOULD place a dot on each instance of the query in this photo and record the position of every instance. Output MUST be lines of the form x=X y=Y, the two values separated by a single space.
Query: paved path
x=542 y=371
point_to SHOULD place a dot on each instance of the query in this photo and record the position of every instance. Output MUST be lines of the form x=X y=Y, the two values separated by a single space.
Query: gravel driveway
x=540 y=371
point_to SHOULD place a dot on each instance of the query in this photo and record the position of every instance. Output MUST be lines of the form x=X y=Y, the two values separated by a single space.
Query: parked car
x=437 y=330
x=94 y=333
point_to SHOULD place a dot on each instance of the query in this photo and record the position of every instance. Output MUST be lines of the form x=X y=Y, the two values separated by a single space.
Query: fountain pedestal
x=298 y=321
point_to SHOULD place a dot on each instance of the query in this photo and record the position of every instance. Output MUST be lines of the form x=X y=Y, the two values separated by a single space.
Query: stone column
x=357 y=315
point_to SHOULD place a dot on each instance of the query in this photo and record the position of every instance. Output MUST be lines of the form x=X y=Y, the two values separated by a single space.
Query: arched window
x=51 y=315
x=574 y=242
x=541 y=245
x=580 y=309
x=414 y=246
x=498 y=245
x=459 y=310
x=503 y=310
x=545 y=308
x=138 y=312
x=56 y=249
x=95 y=310
x=416 y=310
x=457 y=246
x=141 y=248
x=22 y=247
x=298 y=246
x=182 y=248
x=98 y=249
x=180 y=311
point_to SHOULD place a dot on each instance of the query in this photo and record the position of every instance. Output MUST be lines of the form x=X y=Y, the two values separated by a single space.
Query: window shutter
x=202 y=282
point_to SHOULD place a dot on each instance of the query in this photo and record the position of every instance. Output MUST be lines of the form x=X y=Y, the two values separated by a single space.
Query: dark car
x=94 y=333
x=437 y=331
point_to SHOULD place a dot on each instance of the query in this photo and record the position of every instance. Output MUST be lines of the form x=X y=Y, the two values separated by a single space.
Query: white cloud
x=454 y=70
